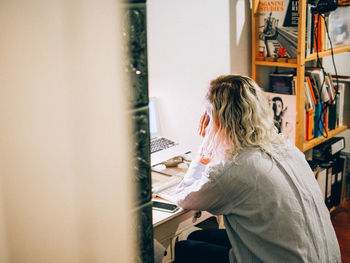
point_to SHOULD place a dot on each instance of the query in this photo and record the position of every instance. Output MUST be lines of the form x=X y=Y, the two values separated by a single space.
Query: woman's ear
x=216 y=122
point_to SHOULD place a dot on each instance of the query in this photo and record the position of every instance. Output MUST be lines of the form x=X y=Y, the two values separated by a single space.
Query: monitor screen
x=153 y=124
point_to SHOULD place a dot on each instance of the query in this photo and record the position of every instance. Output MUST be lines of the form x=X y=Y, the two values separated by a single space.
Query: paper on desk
x=169 y=197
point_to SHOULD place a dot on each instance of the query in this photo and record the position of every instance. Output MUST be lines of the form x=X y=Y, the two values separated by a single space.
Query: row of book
x=327 y=31
x=324 y=103
x=343 y=2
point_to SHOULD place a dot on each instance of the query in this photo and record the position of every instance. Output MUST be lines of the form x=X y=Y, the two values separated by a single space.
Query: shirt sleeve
x=199 y=190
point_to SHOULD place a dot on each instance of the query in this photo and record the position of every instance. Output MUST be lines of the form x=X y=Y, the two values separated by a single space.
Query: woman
x=272 y=206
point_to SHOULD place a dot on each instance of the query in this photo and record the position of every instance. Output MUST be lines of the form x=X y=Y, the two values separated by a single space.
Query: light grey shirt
x=273 y=209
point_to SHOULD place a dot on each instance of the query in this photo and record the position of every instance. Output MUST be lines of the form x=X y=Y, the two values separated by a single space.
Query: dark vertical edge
x=142 y=173
x=144 y=229
x=135 y=66
x=134 y=50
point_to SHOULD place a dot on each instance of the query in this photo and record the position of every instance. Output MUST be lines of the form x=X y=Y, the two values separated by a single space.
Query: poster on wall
x=284 y=113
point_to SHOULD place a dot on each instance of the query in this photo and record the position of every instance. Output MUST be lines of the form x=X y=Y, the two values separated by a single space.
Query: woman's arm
x=198 y=191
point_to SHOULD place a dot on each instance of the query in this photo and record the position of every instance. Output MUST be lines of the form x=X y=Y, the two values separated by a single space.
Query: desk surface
x=172 y=219
x=171 y=227
x=160 y=217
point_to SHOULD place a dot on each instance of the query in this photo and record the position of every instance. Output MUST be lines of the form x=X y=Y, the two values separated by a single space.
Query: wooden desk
x=172 y=227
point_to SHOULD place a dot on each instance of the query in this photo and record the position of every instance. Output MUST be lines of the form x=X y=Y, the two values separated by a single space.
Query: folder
x=332 y=116
x=328 y=183
x=322 y=180
x=346 y=175
x=338 y=171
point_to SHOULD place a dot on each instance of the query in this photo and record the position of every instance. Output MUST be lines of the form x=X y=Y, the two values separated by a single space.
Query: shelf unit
x=299 y=65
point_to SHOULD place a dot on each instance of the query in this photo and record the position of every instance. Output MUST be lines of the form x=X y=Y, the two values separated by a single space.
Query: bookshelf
x=299 y=66
x=327 y=53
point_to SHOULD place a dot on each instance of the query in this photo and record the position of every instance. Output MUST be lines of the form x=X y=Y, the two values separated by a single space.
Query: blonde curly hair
x=243 y=115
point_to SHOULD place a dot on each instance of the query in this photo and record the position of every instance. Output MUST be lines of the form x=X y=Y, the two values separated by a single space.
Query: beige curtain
x=64 y=188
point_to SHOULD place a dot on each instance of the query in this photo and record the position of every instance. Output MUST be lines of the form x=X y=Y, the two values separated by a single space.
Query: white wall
x=240 y=37
x=341 y=62
x=64 y=178
x=189 y=44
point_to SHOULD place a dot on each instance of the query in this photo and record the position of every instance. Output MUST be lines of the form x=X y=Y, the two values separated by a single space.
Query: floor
x=341 y=223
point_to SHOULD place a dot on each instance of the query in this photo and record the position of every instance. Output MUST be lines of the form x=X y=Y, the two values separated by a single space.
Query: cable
x=325 y=106
x=332 y=55
x=320 y=121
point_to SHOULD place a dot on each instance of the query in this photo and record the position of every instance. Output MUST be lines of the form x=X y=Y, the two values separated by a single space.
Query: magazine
x=284 y=113
x=278 y=28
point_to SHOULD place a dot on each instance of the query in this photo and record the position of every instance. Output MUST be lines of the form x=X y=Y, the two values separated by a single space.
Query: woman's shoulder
x=249 y=159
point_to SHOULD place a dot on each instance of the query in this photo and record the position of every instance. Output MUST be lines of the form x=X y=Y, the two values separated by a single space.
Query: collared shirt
x=273 y=210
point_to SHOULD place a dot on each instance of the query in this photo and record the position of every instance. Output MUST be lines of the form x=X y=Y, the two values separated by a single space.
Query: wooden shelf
x=312 y=143
x=275 y=64
x=297 y=63
x=327 y=53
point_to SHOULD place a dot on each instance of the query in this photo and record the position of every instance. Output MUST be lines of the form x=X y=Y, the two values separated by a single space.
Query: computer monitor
x=153 y=118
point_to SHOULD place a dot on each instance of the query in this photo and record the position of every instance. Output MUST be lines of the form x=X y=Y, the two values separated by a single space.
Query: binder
x=322 y=180
x=332 y=116
x=338 y=171
x=328 y=183
x=333 y=198
x=346 y=175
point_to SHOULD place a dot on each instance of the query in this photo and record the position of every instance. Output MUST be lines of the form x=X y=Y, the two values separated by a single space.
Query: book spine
x=318 y=122
x=308 y=30
x=341 y=91
x=311 y=89
x=309 y=125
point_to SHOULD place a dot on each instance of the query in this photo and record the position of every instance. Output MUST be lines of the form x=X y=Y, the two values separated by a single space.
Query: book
x=319 y=33
x=340 y=104
x=309 y=125
x=309 y=111
x=318 y=120
x=318 y=77
x=311 y=88
x=310 y=99
x=282 y=83
x=330 y=87
x=325 y=112
x=283 y=108
x=309 y=27
x=278 y=28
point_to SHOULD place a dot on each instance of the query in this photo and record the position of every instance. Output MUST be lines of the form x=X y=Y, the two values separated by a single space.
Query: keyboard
x=167 y=189
x=160 y=187
x=158 y=144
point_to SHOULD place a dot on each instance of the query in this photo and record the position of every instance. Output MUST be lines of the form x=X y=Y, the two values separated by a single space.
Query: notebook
x=162 y=148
